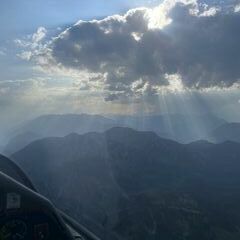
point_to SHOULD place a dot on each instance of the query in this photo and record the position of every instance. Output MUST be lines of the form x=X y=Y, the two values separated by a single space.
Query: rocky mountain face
x=125 y=184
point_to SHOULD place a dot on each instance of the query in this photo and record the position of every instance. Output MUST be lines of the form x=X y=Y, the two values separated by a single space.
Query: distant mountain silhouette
x=20 y=141
x=61 y=125
x=139 y=185
x=55 y=126
x=181 y=128
x=226 y=132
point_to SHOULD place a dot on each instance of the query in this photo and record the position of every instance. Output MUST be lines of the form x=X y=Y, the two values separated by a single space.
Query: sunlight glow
x=237 y=8
x=175 y=83
x=137 y=36
x=158 y=16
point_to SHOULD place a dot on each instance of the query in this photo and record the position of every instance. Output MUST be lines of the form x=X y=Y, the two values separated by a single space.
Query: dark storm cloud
x=208 y=50
x=200 y=44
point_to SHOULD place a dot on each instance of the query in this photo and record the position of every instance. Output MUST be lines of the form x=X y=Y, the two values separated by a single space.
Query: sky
x=119 y=57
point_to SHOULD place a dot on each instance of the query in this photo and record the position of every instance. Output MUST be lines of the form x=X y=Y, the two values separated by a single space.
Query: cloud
x=39 y=35
x=140 y=52
x=32 y=45
x=237 y=8
x=2 y=53
x=25 y=55
x=212 y=11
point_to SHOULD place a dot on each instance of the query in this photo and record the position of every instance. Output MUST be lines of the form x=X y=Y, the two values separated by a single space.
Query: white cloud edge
x=37 y=44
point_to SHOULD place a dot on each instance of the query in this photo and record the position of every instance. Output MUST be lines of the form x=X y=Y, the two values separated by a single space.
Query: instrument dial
x=13 y=230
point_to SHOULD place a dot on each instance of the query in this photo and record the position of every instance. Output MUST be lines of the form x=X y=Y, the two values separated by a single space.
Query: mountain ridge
x=103 y=176
x=226 y=132
x=175 y=127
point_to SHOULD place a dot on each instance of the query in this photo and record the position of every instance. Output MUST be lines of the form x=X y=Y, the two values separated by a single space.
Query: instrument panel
x=33 y=227
x=14 y=229
x=26 y=215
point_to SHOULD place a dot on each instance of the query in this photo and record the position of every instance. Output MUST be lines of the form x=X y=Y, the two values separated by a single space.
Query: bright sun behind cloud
x=127 y=58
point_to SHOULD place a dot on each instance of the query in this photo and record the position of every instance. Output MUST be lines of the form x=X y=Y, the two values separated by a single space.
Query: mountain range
x=181 y=128
x=226 y=132
x=55 y=126
x=140 y=186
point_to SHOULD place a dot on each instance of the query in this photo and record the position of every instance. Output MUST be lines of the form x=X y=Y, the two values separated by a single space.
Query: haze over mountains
x=181 y=128
x=55 y=125
x=139 y=185
x=226 y=132
x=130 y=184
x=163 y=160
